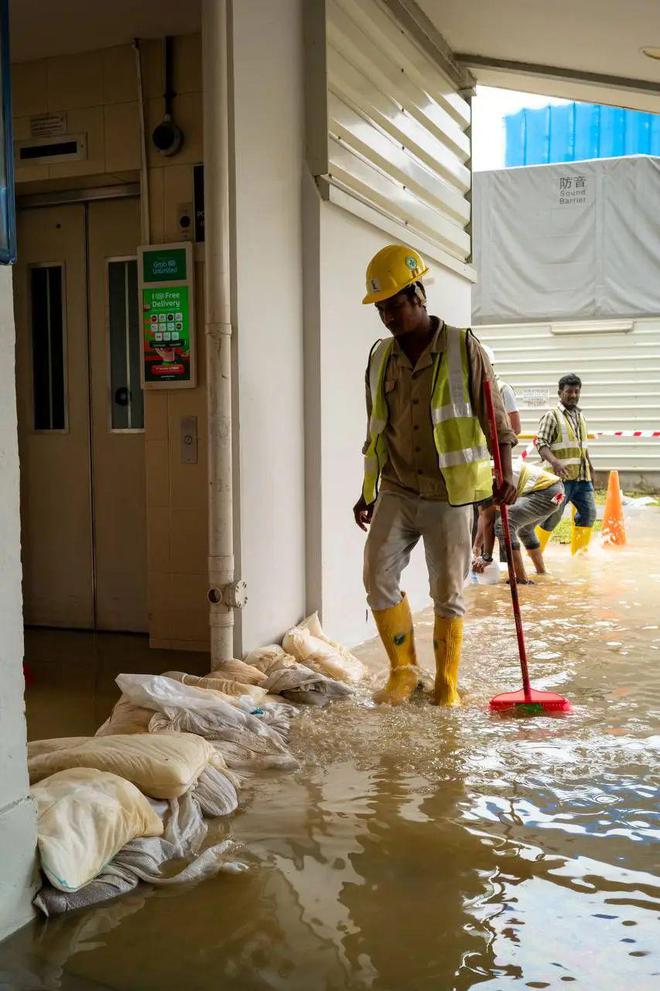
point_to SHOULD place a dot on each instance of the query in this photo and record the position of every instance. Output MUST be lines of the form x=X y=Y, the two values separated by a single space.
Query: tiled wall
x=97 y=90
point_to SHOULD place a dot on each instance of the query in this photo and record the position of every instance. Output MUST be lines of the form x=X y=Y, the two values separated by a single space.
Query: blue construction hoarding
x=572 y=132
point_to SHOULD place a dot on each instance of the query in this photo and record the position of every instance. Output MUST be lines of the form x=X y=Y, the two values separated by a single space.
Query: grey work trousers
x=528 y=512
x=398 y=522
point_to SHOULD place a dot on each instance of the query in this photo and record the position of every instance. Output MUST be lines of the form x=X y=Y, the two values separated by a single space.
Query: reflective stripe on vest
x=567 y=446
x=463 y=456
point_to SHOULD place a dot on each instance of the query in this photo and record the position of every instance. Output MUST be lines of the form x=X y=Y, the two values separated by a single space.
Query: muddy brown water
x=420 y=848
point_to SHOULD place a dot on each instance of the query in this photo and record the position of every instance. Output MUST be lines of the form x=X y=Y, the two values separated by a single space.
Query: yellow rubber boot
x=580 y=538
x=395 y=626
x=447 y=642
x=544 y=536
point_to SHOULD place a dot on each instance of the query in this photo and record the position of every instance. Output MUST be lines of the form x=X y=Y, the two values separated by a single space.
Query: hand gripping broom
x=527 y=700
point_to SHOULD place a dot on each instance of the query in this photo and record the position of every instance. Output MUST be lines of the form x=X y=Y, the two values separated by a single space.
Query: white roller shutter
x=396 y=129
x=619 y=364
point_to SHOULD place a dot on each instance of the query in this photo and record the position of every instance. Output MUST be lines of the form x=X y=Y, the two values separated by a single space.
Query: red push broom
x=527 y=700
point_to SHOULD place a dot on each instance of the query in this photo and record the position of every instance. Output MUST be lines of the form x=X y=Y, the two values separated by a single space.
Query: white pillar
x=18 y=834
x=223 y=597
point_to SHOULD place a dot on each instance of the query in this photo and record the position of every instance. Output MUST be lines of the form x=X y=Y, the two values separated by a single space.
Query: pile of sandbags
x=235 y=727
x=115 y=808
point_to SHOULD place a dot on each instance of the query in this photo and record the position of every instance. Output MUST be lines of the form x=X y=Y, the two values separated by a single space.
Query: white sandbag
x=159 y=693
x=184 y=709
x=319 y=690
x=278 y=715
x=51 y=901
x=241 y=745
x=163 y=766
x=270 y=657
x=238 y=671
x=215 y=793
x=225 y=686
x=126 y=717
x=84 y=817
x=308 y=643
x=251 y=754
x=294 y=681
x=38 y=747
x=213 y=725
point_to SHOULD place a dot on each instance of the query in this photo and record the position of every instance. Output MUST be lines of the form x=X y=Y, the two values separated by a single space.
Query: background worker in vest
x=540 y=493
x=427 y=448
x=562 y=441
x=510 y=404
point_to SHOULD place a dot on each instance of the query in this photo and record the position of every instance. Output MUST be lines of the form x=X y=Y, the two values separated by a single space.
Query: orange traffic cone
x=613 y=530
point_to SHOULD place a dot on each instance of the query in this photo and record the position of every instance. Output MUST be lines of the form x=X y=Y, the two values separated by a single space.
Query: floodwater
x=420 y=848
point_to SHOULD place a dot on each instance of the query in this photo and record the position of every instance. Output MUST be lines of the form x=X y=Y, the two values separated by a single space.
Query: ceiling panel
x=597 y=36
x=43 y=28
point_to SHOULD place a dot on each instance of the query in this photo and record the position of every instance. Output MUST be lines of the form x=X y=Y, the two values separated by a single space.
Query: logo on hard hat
x=411 y=263
x=375 y=285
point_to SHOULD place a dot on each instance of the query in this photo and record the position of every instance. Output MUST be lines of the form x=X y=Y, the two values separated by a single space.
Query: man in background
x=562 y=441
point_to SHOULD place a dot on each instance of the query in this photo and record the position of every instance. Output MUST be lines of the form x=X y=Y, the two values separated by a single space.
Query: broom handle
x=504 y=513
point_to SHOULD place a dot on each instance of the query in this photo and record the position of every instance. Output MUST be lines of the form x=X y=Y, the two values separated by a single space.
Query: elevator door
x=81 y=417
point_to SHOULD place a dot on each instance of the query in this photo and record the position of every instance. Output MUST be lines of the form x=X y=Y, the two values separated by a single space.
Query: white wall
x=347 y=331
x=300 y=426
x=17 y=815
x=268 y=129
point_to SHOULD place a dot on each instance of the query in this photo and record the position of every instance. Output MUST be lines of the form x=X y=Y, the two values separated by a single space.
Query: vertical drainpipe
x=145 y=209
x=225 y=593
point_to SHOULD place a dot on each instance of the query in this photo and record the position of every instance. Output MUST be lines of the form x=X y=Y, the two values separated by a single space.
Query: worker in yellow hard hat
x=426 y=463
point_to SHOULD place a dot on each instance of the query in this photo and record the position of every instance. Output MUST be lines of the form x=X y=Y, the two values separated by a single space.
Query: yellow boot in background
x=447 y=642
x=544 y=536
x=395 y=626
x=580 y=537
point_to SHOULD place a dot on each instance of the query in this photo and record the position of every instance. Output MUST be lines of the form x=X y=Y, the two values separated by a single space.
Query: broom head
x=530 y=703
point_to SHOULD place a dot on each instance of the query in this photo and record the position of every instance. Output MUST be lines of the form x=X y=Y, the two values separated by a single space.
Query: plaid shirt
x=548 y=433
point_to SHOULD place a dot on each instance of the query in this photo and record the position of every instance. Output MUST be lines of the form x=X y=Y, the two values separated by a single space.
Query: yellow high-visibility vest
x=463 y=456
x=568 y=447
x=531 y=478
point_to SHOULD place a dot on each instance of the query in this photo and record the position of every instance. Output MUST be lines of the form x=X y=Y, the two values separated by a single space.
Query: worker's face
x=401 y=314
x=570 y=396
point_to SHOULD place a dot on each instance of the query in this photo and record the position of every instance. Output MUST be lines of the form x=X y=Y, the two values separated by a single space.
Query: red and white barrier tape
x=628 y=433
x=601 y=433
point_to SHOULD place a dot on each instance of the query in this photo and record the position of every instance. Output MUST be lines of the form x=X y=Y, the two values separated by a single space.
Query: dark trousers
x=581 y=494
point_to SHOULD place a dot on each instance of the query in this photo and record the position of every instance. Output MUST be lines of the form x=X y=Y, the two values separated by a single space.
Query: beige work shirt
x=412 y=464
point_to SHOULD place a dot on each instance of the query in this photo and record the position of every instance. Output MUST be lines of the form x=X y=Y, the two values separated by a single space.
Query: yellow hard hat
x=391 y=270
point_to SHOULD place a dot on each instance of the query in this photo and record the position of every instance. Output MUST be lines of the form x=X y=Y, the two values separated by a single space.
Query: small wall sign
x=166 y=289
